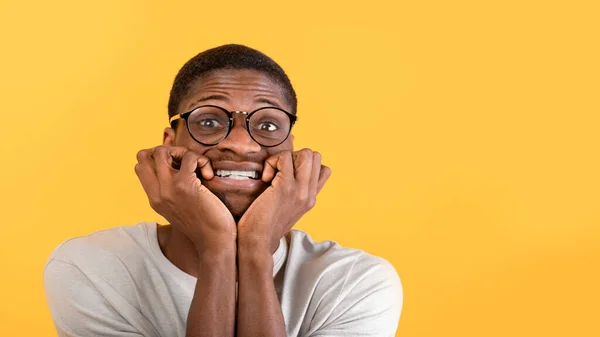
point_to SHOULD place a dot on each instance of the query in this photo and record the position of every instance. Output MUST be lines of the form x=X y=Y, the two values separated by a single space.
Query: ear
x=169 y=137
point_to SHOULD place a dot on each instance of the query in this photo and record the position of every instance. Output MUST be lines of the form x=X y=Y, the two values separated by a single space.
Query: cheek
x=286 y=146
x=183 y=139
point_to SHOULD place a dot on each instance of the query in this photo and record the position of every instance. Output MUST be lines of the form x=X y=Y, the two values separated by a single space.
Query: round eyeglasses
x=210 y=124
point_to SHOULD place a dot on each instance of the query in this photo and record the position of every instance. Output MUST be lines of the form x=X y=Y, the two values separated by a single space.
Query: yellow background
x=463 y=138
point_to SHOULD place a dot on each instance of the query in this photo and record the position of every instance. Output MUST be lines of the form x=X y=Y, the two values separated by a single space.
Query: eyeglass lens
x=268 y=127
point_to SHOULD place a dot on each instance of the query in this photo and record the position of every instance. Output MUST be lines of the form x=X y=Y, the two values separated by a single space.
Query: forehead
x=235 y=86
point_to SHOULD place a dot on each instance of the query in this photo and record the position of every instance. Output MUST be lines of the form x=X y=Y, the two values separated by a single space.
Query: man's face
x=233 y=89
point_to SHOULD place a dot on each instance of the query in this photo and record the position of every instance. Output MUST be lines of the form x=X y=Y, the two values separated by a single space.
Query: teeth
x=239 y=175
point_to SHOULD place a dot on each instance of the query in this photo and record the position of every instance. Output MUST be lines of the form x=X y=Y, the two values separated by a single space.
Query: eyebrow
x=208 y=98
x=268 y=101
x=225 y=98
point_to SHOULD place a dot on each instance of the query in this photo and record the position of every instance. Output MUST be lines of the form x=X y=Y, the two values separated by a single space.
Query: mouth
x=237 y=170
x=237 y=175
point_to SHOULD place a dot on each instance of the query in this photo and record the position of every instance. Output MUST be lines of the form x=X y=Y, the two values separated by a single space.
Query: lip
x=228 y=183
x=235 y=166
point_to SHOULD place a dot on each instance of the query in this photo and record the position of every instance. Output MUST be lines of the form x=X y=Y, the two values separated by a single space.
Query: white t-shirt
x=117 y=282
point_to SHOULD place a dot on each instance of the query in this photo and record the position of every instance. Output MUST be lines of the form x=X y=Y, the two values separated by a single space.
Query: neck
x=178 y=249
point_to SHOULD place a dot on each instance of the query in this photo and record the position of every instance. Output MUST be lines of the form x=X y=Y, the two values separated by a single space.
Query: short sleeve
x=369 y=304
x=78 y=308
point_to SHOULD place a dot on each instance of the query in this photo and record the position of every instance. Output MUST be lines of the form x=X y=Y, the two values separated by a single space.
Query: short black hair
x=229 y=56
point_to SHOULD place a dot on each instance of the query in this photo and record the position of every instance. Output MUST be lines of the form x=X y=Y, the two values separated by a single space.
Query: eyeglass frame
x=230 y=114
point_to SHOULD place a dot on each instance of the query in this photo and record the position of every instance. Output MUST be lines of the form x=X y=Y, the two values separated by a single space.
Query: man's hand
x=296 y=179
x=179 y=196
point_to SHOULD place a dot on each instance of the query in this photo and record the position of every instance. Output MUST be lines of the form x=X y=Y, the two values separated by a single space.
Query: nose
x=239 y=140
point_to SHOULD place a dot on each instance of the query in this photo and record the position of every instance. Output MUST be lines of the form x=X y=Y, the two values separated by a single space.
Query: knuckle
x=305 y=153
x=187 y=154
x=155 y=202
x=160 y=150
x=287 y=189
x=141 y=155
x=312 y=201
x=302 y=197
x=286 y=155
x=179 y=187
x=166 y=195
x=191 y=155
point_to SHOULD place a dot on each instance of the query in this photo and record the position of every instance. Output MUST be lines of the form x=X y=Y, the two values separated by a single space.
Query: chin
x=236 y=203
x=237 y=209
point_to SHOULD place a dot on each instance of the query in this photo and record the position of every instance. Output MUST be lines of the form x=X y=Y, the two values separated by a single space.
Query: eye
x=209 y=123
x=267 y=126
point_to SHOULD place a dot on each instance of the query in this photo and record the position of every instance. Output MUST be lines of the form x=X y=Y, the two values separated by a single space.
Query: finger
x=283 y=167
x=303 y=166
x=192 y=162
x=166 y=160
x=145 y=158
x=323 y=176
x=144 y=169
x=270 y=169
x=315 y=173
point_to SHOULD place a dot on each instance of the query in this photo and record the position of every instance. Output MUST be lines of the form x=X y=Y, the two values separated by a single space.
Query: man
x=231 y=186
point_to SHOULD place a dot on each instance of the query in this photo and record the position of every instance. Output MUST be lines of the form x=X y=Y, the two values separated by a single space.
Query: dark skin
x=215 y=221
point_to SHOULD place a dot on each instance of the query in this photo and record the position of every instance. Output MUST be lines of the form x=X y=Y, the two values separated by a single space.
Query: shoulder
x=348 y=285
x=107 y=254
x=331 y=257
x=303 y=247
x=89 y=282
x=95 y=247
